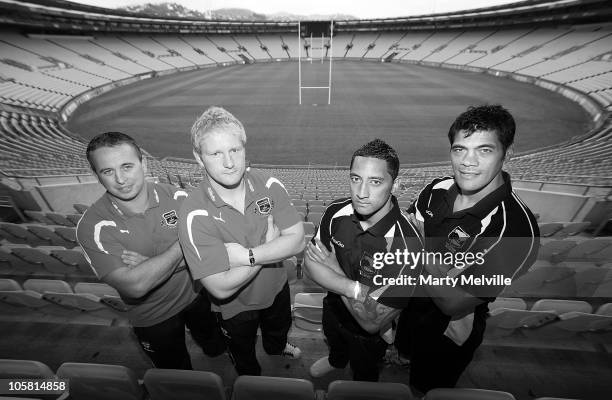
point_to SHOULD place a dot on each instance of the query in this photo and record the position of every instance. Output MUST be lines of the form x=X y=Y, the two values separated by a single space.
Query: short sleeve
x=100 y=246
x=419 y=206
x=285 y=215
x=204 y=252
x=323 y=232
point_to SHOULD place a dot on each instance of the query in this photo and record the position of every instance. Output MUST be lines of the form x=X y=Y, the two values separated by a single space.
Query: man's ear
x=198 y=158
x=396 y=185
x=509 y=153
x=145 y=165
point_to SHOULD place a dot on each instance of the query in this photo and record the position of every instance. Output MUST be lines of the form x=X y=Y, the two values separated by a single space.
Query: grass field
x=409 y=106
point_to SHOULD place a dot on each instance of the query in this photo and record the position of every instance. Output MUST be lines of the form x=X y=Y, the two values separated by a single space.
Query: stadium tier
x=55 y=56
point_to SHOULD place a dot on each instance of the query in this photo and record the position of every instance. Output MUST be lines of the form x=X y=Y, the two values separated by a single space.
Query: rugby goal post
x=311 y=29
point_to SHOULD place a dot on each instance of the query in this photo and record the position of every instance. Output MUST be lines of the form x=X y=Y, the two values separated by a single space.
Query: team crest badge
x=457 y=240
x=170 y=218
x=264 y=206
x=366 y=266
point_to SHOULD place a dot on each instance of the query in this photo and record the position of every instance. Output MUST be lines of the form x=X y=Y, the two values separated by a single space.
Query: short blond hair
x=215 y=119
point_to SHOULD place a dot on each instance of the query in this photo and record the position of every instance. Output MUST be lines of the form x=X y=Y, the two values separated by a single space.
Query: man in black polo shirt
x=366 y=289
x=489 y=232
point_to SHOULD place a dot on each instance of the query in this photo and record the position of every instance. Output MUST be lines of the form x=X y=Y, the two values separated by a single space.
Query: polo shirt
x=107 y=228
x=500 y=227
x=207 y=223
x=356 y=249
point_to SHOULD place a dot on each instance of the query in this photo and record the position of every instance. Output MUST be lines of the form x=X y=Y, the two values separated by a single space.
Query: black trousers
x=241 y=332
x=435 y=360
x=164 y=343
x=349 y=342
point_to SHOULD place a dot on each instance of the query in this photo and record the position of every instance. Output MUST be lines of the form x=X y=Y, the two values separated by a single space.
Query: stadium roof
x=60 y=16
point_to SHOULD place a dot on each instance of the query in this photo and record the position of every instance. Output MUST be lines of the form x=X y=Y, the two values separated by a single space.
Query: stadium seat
x=24 y=369
x=67 y=234
x=544 y=281
x=571 y=229
x=589 y=277
x=101 y=382
x=78 y=266
x=26 y=302
x=302 y=209
x=554 y=398
x=508 y=302
x=42 y=256
x=17 y=233
x=561 y=306
x=309 y=228
x=63 y=219
x=272 y=388
x=356 y=390
x=18 y=255
x=163 y=384
x=548 y=229
x=555 y=250
x=308 y=311
x=558 y=328
x=98 y=289
x=314 y=217
x=47 y=235
x=317 y=203
x=505 y=321
x=587 y=249
x=315 y=207
x=467 y=394
x=10 y=264
x=107 y=295
x=39 y=217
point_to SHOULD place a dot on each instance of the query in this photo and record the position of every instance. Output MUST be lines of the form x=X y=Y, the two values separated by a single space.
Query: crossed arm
x=279 y=245
x=141 y=274
x=322 y=266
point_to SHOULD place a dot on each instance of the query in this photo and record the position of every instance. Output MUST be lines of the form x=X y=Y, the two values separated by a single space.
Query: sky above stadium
x=357 y=8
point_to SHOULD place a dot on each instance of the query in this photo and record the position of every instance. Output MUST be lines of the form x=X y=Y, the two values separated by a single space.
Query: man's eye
x=376 y=183
x=354 y=179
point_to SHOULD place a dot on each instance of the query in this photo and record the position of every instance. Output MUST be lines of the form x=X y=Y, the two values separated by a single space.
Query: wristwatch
x=251 y=258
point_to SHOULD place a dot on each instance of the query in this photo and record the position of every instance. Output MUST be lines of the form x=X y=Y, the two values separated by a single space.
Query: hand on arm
x=141 y=273
x=322 y=266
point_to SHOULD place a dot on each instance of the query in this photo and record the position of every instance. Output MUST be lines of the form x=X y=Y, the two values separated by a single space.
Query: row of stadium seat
x=546 y=320
x=106 y=381
x=548 y=53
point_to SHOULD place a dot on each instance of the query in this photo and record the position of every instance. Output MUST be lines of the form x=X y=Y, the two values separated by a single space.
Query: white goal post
x=331 y=52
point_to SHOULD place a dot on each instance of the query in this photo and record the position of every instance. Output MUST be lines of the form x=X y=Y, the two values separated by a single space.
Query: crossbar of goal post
x=331 y=52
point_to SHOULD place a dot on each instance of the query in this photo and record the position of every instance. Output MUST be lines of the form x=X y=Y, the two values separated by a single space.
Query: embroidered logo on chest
x=169 y=219
x=366 y=266
x=457 y=240
x=263 y=206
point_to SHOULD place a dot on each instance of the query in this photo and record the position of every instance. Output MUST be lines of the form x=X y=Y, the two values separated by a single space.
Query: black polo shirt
x=500 y=227
x=358 y=251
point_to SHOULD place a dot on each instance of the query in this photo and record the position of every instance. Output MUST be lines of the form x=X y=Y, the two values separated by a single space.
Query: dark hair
x=110 y=139
x=377 y=148
x=494 y=118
